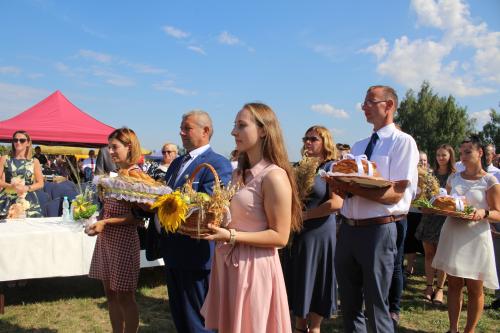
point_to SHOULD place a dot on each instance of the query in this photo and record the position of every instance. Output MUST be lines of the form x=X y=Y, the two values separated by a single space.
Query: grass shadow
x=6 y=327
x=63 y=288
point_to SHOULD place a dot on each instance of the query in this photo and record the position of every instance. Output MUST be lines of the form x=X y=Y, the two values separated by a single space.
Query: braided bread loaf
x=350 y=166
x=136 y=175
x=445 y=203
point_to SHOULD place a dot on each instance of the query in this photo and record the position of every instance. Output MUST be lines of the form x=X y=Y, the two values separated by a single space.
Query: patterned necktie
x=371 y=145
x=174 y=176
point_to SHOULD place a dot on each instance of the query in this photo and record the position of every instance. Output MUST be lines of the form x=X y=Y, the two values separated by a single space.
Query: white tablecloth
x=47 y=247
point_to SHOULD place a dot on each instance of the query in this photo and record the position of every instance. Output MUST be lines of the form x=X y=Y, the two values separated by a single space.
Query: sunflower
x=172 y=209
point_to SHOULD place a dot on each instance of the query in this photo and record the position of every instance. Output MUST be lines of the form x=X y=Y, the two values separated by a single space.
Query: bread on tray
x=350 y=166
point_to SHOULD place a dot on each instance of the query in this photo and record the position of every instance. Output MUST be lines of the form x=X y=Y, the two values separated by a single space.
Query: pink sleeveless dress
x=247 y=290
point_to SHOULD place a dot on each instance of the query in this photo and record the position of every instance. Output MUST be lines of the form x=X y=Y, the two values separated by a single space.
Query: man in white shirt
x=88 y=166
x=490 y=155
x=366 y=247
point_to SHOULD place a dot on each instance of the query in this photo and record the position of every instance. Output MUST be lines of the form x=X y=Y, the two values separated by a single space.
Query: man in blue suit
x=188 y=261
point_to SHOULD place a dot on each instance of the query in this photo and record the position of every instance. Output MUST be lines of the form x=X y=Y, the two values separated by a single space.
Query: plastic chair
x=43 y=198
x=64 y=189
x=53 y=208
x=48 y=187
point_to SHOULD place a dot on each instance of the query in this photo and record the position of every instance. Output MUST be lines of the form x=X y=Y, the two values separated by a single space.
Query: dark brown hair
x=451 y=162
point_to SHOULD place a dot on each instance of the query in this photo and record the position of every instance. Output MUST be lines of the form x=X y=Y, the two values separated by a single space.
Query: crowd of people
x=343 y=241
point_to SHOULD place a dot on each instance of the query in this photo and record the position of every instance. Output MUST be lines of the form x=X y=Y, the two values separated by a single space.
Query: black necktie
x=371 y=145
x=185 y=158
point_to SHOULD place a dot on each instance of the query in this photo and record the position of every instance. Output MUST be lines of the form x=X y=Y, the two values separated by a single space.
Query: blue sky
x=143 y=64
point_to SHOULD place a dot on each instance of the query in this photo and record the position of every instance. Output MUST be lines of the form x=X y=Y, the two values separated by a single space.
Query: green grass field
x=77 y=304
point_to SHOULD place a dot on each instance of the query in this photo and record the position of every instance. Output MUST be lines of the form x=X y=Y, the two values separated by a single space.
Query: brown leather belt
x=371 y=221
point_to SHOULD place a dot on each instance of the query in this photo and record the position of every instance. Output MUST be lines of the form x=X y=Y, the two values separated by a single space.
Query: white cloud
x=64 y=69
x=17 y=98
x=482 y=117
x=10 y=70
x=228 y=39
x=197 y=49
x=359 y=107
x=379 y=49
x=329 y=110
x=175 y=32
x=410 y=62
x=487 y=63
x=96 y=56
x=144 y=68
x=113 y=78
x=427 y=13
x=169 y=85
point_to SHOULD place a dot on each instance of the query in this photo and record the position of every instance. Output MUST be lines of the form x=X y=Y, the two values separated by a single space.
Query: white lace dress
x=465 y=248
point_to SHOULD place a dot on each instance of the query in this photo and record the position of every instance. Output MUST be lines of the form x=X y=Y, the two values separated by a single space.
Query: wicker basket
x=197 y=222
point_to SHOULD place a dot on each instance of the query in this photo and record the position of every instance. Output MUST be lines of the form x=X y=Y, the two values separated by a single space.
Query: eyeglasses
x=19 y=140
x=369 y=102
x=167 y=151
x=310 y=138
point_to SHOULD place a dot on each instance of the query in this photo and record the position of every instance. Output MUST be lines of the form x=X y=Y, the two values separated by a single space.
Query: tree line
x=433 y=120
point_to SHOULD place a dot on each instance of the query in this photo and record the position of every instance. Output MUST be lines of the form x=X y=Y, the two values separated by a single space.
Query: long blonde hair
x=273 y=150
x=329 y=149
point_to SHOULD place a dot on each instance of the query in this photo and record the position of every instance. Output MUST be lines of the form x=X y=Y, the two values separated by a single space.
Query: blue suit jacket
x=181 y=251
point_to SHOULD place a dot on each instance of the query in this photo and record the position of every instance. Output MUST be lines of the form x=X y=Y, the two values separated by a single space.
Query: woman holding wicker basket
x=247 y=291
x=116 y=258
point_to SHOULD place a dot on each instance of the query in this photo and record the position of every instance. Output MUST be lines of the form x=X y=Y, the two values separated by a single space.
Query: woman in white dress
x=465 y=248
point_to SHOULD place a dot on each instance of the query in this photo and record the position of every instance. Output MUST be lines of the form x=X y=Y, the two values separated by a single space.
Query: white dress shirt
x=396 y=155
x=194 y=154
x=494 y=171
x=89 y=163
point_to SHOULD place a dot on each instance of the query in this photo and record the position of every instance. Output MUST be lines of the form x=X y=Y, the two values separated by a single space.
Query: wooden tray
x=363 y=181
x=446 y=213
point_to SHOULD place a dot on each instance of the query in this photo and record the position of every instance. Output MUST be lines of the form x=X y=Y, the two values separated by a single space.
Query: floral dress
x=24 y=169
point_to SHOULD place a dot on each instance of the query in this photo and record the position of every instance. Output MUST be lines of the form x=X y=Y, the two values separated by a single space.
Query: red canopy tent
x=55 y=120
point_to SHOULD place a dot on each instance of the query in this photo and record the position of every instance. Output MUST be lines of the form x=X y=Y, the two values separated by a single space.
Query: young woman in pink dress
x=247 y=290
x=116 y=258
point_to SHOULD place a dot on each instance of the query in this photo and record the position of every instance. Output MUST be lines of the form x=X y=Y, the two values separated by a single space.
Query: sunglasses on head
x=19 y=140
x=310 y=138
